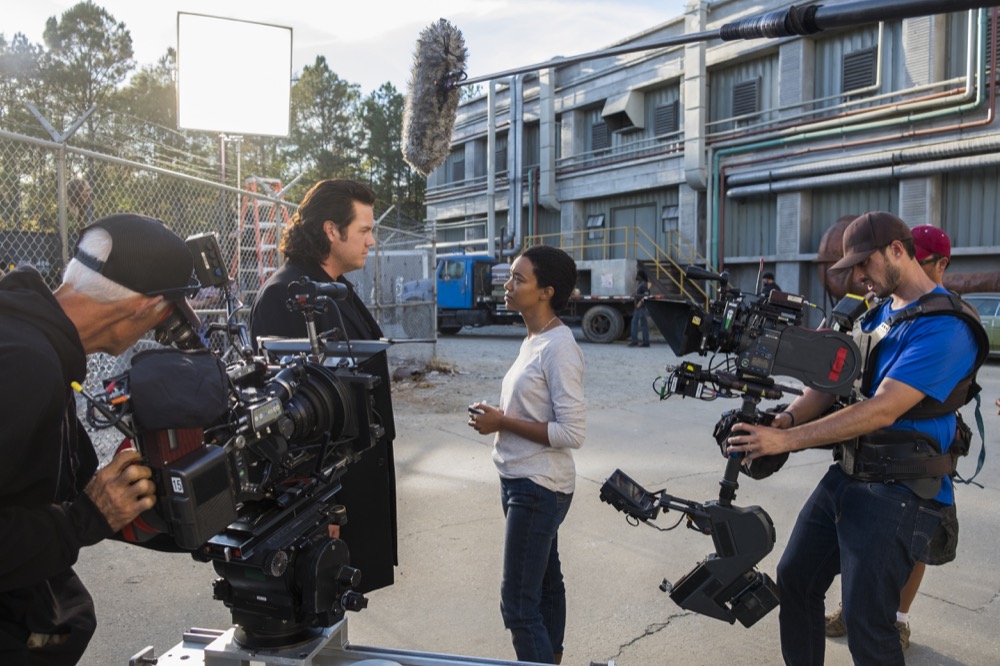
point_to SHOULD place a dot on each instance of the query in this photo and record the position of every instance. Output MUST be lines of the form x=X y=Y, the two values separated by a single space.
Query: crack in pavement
x=651 y=630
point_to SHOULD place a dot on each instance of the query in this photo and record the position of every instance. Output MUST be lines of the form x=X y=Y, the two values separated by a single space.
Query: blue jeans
x=640 y=320
x=532 y=594
x=869 y=533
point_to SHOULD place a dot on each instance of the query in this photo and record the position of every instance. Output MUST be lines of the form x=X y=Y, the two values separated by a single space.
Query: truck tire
x=417 y=321
x=602 y=323
x=449 y=330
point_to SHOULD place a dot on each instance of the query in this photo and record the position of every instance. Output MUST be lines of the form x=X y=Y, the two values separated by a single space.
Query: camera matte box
x=680 y=323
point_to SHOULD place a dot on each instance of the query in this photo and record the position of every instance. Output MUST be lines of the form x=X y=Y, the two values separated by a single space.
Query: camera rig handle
x=309 y=297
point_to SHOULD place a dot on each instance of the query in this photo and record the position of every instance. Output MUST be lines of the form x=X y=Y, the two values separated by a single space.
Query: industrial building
x=724 y=154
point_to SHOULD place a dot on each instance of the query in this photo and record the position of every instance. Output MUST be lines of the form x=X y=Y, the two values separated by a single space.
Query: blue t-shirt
x=931 y=354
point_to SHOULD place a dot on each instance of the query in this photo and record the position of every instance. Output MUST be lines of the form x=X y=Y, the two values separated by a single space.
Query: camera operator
x=933 y=252
x=329 y=235
x=859 y=523
x=128 y=274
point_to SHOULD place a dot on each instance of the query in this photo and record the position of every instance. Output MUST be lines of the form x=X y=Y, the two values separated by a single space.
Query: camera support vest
x=912 y=459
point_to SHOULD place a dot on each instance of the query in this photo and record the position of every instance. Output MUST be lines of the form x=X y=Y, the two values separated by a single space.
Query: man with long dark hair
x=330 y=235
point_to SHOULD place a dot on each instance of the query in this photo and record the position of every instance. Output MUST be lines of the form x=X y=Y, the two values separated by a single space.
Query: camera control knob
x=354 y=601
x=221 y=589
x=338 y=514
x=349 y=576
x=275 y=563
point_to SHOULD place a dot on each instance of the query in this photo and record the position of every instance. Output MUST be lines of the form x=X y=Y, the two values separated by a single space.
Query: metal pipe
x=715 y=190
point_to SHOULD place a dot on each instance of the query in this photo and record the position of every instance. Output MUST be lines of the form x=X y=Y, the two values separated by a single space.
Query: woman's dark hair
x=304 y=239
x=640 y=275
x=553 y=268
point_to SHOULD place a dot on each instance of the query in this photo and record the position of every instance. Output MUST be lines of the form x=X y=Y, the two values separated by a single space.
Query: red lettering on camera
x=838 y=364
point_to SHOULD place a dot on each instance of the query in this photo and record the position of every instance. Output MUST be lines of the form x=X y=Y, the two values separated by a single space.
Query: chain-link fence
x=49 y=191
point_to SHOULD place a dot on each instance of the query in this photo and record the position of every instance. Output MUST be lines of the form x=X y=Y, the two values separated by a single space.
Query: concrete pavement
x=446 y=597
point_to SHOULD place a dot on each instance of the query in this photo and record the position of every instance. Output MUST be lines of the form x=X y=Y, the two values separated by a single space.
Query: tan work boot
x=835 y=624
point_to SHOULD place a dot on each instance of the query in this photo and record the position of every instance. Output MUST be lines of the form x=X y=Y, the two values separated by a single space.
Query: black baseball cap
x=145 y=257
x=868 y=234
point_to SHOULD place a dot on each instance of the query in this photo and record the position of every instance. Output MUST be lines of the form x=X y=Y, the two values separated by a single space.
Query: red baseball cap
x=929 y=241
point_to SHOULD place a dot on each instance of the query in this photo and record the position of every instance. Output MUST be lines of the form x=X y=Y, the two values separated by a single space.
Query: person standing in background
x=640 y=316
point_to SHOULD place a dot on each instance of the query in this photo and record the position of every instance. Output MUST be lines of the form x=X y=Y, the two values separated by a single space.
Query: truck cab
x=470 y=291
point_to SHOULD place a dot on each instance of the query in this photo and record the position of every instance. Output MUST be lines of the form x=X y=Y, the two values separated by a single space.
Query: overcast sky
x=372 y=41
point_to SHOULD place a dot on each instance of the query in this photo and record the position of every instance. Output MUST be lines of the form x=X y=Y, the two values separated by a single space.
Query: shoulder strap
x=982 y=448
x=937 y=303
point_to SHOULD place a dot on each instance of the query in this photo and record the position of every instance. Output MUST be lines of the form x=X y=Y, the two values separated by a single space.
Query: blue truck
x=470 y=293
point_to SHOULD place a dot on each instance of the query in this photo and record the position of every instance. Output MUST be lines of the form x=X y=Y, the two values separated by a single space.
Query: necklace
x=544 y=328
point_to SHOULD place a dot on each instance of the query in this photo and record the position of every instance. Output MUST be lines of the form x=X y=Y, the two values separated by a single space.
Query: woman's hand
x=484 y=419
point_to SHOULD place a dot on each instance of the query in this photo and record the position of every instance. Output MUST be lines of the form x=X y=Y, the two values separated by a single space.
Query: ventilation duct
x=625 y=111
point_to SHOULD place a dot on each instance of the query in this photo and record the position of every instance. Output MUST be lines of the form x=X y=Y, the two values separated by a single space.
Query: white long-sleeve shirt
x=545 y=385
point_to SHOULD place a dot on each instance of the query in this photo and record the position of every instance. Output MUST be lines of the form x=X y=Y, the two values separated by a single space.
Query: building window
x=600 y=138
x=455 y=166
x=596 y=225
x=746 y=97
x=501 y=154
x=859 y=69
x=666 y=118
x=671 y=219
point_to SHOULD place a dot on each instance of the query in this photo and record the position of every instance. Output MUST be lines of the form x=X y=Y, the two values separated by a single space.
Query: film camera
x=757 y=337
x=248 y=459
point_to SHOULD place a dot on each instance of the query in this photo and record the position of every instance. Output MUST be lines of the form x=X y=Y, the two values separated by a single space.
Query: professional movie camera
x=248 y=457
x=758 y=336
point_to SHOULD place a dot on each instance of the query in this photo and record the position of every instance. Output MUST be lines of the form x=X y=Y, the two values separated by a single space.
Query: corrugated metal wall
x=749 y=228
x=548 y=223
x=721 y=82
x=970 y=202
x=661 y=198
x=830 y=204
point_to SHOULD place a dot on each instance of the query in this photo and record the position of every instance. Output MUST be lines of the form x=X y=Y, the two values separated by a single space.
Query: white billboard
x=233 y=76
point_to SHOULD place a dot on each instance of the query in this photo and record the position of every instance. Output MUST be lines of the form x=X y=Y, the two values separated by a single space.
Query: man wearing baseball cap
x=128 y=274
x=932 y=250
x=870 y=515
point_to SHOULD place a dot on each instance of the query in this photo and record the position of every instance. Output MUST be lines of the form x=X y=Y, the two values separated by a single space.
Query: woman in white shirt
x=540 y=420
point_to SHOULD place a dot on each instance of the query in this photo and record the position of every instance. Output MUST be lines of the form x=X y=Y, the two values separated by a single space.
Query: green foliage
x=87 y=59
x=89 y=55
x=324 y=128
x=19 y=79
x=381 y=119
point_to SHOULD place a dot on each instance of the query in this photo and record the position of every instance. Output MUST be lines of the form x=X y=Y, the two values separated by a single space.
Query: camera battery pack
x=198 y=496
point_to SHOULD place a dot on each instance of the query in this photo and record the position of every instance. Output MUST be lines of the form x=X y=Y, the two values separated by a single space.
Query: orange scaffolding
x=261 y=222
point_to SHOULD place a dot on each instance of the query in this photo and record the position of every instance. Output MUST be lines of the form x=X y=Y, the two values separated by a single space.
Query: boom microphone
x=433 y=95
x=787 y=22
x=439 y=60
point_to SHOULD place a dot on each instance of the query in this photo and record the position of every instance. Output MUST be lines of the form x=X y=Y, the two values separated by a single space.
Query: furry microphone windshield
x=434 y=92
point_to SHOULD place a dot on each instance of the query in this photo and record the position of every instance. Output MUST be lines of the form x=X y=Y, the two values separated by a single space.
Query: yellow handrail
x=636 y=244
